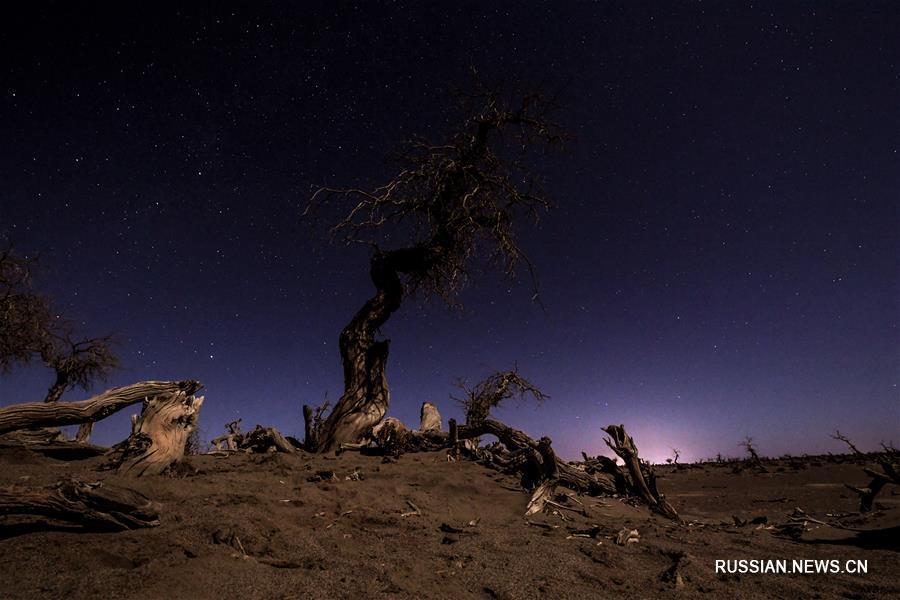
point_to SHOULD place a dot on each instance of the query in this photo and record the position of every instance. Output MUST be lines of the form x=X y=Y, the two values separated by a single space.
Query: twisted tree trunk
x=159 y=434
x=366 y=395
x=516 y=441
x=645 y=487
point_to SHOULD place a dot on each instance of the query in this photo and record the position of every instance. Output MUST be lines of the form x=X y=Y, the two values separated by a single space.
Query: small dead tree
x=77 y=363
x=491 y=392
x=888 y=460
x=450 y=202
x=747 y=444
x=676 y=453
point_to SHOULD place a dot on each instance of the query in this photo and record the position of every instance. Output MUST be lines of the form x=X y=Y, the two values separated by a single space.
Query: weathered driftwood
x=57 y=414
x=159 y=435
x=393 y=436
x=229 y=441
x=429 y=417
x=89 y=505
x=57 y=450
x=259 y=440
x=645 y=487
x=41 y=436
x=265 y=439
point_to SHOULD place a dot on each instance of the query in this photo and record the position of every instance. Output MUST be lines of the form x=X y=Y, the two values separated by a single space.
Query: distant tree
x=748 y=445
x=29 y=330
x=677 y=453
x=449 y=203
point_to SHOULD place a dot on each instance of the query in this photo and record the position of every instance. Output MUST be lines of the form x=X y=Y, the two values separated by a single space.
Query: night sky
x=721 y=261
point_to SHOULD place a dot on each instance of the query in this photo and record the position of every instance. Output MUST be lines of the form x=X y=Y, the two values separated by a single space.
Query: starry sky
x=721 y=261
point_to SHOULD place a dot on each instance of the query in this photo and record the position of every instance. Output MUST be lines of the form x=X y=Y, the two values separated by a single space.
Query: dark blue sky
x=722 y=260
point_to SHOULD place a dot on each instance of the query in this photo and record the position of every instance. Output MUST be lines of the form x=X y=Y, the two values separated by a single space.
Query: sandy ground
x=349 y=538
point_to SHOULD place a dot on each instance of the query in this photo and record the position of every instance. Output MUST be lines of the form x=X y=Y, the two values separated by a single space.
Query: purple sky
x=722 y=260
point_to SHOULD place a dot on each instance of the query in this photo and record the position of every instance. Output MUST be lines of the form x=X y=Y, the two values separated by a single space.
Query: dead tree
x=755 y=461
x=159 y=434
x=457 y=198
x=92 y=506
x=890 y=475
x=30 y=329
x=491 y=392
x=643 y=480
x=58 y=414
x=676 y=453
x=529 y=459
x=77 y=363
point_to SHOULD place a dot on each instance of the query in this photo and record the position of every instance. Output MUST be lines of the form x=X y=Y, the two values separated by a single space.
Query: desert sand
x=280 y=526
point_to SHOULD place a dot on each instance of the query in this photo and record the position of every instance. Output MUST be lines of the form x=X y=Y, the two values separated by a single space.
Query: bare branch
x=843 y=438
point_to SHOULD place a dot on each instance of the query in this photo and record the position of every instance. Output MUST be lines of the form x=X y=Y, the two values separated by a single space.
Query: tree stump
x=429 y=417
x=159 y=434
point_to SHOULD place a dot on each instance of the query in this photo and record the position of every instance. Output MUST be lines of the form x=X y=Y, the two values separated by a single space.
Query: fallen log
x=266 y=439
x=259 y=440
x=159 y=435
x=597 y=483
x=42 y=436
x=57 y=414
x=97 y=506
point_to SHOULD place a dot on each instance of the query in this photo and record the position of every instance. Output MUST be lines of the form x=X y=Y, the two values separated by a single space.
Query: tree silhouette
x=77 y=362
x=25 y=317
x=450 y=202
x=30 y=330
